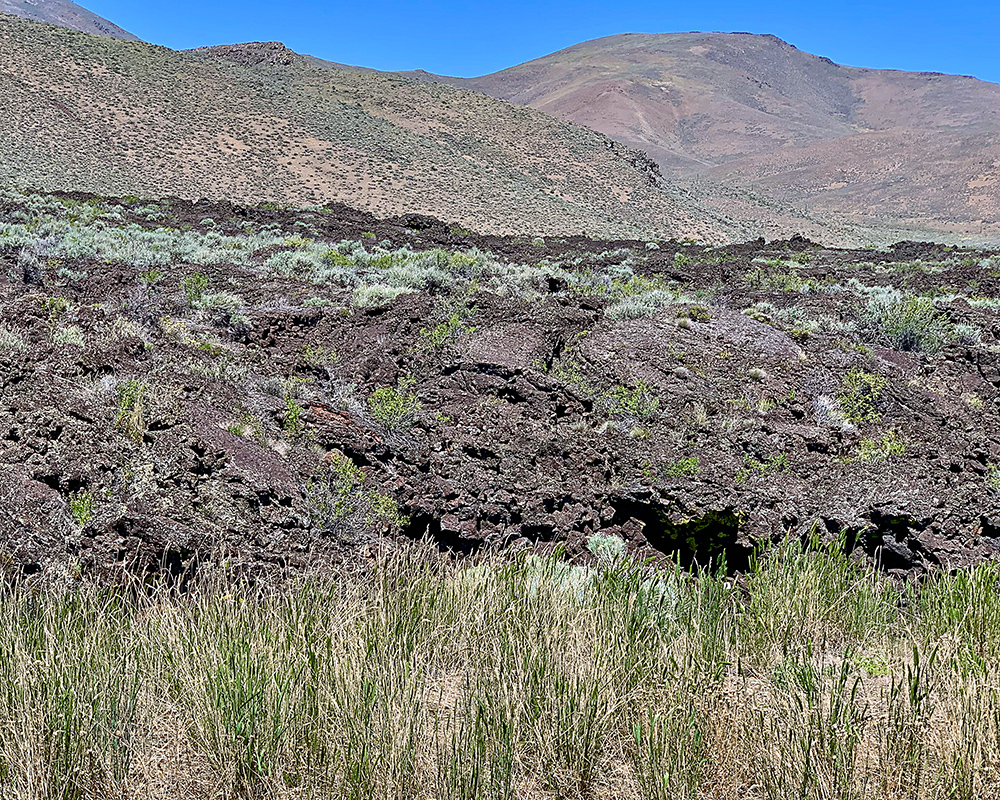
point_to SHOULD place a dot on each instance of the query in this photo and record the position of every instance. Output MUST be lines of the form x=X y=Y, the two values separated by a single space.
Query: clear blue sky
x=468 y=38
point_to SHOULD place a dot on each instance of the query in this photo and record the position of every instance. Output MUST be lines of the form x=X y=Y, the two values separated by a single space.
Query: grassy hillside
x=877 y=147
x=251 y=124
x=65 y=14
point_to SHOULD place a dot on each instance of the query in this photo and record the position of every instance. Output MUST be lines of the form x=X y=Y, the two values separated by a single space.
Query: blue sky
x=468 y=39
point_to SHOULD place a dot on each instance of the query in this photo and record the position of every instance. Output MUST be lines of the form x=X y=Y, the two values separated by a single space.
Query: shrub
x=71 y=335
x=682 y=468
x=876 y=451
x=395 y=408
x=608 y=549
x=11 y=341
x=332 y=495
x=993 y=478
x=907 y=324
x=859 y=396
x=638 y=402
x=131 y=407
x=754 y=467
x=194 y=286
x=444 y=332
x=81 y=506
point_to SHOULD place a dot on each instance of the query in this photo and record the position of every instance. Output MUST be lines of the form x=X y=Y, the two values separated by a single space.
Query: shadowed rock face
x=66 y=15
x=156 y=411
x=754 y=111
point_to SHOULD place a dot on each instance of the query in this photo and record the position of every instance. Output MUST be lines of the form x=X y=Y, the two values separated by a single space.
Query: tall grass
x=421 y=677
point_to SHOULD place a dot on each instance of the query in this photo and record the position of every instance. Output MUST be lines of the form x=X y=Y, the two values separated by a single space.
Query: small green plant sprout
x=292 y=423
x=367 y=235
x=81 y=506
x=753 y=467
x=757 y=374
x=248 y=426
x=993 y=478
x=395 y=407
x=444 y=332
x=131 y=409
x=194 y=286
x=319 y=357
x=859 y=396
x=638 y=402
x=608 y=549
x=384 y=509
x=56 y=306
x=682 y=468
x=151 y=277
x=694 y=313
x=877 y=451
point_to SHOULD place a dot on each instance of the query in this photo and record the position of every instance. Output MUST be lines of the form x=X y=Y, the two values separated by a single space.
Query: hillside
x=741 y=110
x=66 y=15
x=254 y=123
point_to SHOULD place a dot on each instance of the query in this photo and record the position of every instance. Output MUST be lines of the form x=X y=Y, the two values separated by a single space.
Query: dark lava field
x=287 y=389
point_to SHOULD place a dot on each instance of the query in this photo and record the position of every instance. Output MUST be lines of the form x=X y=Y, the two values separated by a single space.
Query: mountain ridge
x=749 y=110
x=120 y=118
x=66 y=14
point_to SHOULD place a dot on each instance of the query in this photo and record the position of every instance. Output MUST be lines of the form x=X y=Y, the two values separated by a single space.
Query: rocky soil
x=159 y=407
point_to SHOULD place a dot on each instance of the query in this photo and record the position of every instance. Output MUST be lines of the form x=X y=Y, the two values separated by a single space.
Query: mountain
x=753 y=112
x=257 y=122
x=66 y=15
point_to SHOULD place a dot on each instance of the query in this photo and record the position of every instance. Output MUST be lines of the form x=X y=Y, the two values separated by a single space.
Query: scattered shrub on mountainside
x=993 y=477
x=608 y=549
x=81 y=506
x=332 y=495
x=877 y=451
x=11 y=341
x=859 y=396
x=396 y=407
x=337 y=501
x=194 y=286
x=446 y=331
x=292 y=423
x=70 y=335
x=638 y=402
x=319 y=356
x=754 y=467
x=131 y=409
x=694 y=313
x=906 y=323
x=682 y=468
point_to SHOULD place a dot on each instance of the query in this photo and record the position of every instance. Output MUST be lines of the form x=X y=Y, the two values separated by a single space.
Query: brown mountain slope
x=754 y=111
x=66 y=15
x=256 y=122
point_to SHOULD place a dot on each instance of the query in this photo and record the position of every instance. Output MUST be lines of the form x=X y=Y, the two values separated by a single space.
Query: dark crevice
x=710 y=541
x=423 y=525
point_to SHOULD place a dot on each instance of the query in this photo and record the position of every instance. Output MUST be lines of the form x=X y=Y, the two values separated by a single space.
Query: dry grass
x=523 y=679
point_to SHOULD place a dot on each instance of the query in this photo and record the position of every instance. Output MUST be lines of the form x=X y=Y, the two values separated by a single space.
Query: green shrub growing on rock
x=395 y=407
x=907 y=323
x=859 y=396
